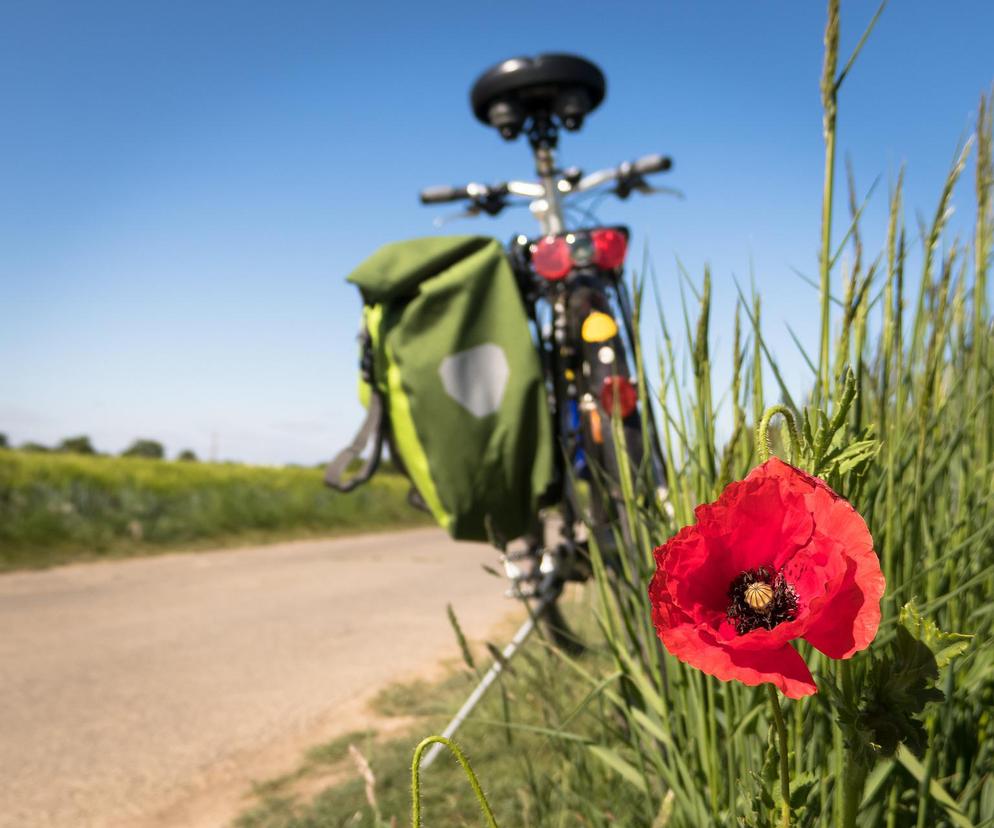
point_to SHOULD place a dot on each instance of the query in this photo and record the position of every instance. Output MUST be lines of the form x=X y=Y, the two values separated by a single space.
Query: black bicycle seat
x=516 y=90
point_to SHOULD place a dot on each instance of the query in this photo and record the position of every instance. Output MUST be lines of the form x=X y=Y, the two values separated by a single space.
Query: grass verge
x=60 y=508
x=509 y=738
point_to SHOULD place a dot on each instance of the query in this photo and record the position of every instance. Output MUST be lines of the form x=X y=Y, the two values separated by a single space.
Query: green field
x=56 y=508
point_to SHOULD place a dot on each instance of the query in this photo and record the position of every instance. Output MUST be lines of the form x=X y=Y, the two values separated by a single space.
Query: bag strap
x=372 y=428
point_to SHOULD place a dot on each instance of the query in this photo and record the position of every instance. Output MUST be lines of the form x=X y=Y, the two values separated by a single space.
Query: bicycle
x=572 y=287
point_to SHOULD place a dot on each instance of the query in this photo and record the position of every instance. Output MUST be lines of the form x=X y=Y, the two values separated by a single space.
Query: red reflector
x=618 y=388
x=610 y=246
x=550 y=258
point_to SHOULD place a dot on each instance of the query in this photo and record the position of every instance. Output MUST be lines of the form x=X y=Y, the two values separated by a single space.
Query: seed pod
x=759 y=595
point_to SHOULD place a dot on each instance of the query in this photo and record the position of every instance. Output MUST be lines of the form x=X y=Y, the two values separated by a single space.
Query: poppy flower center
x=760 y=598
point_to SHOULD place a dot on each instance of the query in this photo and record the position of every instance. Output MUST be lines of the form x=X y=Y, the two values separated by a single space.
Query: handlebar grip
x=652 y=164
x=443 y=193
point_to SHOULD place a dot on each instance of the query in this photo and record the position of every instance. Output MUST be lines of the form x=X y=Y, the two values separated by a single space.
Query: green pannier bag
x=452 y=381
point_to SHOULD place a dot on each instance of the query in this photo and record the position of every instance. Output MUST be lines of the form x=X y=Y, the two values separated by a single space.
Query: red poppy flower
x=778 y=556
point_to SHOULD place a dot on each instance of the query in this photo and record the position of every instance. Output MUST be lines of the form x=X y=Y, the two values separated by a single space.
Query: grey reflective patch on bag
x=476 y=378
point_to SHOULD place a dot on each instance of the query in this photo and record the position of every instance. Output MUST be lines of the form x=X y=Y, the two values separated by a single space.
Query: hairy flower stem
x=763 y=446
x=853 y=781
x=474 y=783
x=781 y=728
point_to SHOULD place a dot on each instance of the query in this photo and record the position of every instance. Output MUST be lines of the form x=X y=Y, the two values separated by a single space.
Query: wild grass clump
x=900 y=421
x=55 y=508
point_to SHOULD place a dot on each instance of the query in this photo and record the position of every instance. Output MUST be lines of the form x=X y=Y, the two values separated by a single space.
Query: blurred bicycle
x=570 y=278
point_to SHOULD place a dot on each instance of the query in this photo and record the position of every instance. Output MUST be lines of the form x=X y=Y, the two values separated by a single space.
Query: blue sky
x=184 y=186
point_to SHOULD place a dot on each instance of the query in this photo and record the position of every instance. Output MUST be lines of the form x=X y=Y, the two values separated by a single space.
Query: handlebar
x=627 y=177
x=626 y=174
x=443 y=193
x=652 y=164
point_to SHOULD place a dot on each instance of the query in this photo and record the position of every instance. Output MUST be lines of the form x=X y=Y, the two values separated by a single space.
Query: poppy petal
x=781 y=666
x=849 y=620
x=696 y=580
x=760 y=521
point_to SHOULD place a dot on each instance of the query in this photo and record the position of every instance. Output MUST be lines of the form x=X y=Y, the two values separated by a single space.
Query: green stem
x=781 y=729
x=798 y=736
x=926 y=780
x=841 y=765
x=829 y=91
x=853 y=781
x=763 y=447
x=839 y=755
x=730 y=762
x=892 y=807
x=712 y=720
x=416 y=781
x=850 y=769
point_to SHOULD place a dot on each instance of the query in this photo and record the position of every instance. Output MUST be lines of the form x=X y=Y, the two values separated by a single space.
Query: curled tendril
x=763 y=447
x=474 y=783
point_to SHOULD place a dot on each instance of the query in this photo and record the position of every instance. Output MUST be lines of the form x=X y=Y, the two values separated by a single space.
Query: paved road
x=149 y=692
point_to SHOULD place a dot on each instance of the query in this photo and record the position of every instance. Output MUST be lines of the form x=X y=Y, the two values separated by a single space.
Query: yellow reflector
x=598 y=327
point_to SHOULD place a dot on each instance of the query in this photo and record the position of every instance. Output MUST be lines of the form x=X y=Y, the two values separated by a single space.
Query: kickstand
x=491 y=675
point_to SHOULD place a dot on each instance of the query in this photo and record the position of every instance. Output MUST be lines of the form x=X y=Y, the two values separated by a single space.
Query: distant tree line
x=81 y=444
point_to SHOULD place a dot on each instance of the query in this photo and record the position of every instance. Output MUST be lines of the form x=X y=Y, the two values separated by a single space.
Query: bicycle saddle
x=536 y=88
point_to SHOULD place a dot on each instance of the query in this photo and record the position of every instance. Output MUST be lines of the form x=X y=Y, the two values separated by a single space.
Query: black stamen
x=782 y=607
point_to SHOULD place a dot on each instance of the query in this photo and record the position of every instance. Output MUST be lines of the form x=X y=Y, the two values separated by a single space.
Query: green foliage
x=945 y=646
x=76 y=445
x=760 y=800
x=900 y=684
x=149 y=449
x=890 y=698
x=187 y=456
x=892 y=688
x=58 y=507
x=467 y=654
x=3 y=441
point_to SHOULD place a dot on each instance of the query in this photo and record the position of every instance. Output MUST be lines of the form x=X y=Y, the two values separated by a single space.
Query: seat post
x=542 y=137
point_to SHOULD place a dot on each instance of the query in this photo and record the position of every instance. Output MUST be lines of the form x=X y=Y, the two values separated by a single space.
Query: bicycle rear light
x=618 y=389
x=551 y=258
x=610 y=247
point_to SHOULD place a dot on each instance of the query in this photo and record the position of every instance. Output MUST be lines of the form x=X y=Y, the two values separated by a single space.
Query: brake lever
x=469 y=212
x=491 y=203
x=649 y=189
